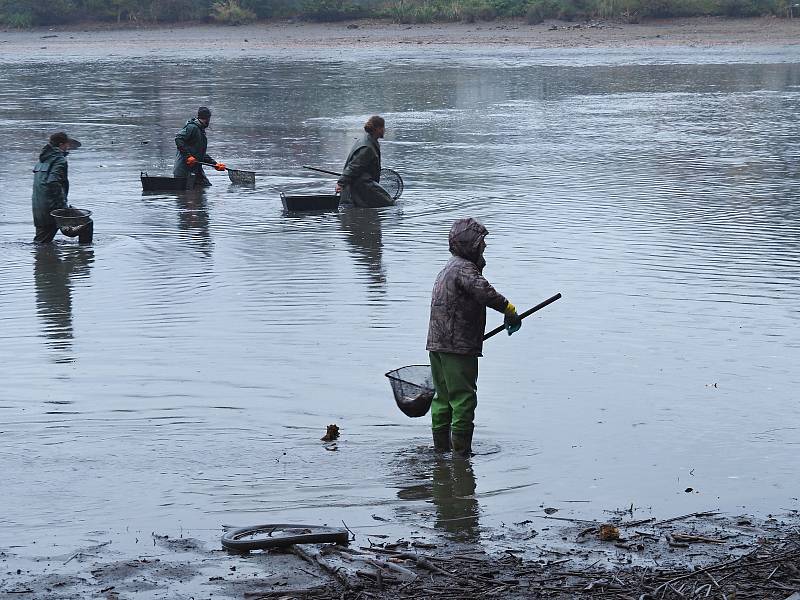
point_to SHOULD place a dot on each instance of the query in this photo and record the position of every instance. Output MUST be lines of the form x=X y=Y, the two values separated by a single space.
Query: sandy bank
x=699 y=32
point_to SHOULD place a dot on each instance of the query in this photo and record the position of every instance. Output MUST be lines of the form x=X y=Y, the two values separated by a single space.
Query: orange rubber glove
x=220 y=166
x=191 y=161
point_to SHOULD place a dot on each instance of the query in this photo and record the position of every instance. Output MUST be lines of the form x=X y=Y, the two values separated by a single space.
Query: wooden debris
x=331 y=434
x=768 y=568
x=692 y=539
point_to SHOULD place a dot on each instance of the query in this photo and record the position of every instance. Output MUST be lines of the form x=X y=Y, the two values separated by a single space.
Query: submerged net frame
x=391 y=181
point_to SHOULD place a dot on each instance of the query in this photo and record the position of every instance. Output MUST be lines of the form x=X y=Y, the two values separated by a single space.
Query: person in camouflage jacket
x=460 y=297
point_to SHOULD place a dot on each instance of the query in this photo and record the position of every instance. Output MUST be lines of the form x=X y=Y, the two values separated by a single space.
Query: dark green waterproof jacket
x=362 y=173
x=50 y=185
x=191 y=141
x=363 y=163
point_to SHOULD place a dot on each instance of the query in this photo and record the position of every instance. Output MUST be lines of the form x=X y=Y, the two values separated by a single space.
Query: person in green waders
x=359 y=182
x=51 y=188
x=455 y=336
x=192 y=144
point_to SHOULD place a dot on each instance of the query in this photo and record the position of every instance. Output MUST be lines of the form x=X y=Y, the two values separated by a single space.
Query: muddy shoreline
x=136 y=41
x=697 y=555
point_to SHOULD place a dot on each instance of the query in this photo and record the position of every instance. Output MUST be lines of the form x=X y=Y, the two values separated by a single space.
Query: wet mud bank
x=183 y=40
x=697 y=555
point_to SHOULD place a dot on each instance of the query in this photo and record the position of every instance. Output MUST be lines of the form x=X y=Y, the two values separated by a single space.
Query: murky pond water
x=180 y=372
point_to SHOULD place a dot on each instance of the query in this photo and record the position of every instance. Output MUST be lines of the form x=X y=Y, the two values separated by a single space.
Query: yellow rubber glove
x=512 y=320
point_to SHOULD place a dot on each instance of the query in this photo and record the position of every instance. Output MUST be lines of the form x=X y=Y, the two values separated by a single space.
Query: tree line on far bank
x=31 y=13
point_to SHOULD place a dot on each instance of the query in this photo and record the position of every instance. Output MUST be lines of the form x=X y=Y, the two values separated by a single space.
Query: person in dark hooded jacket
x=51 y=188
x=362 y=169
x=455 y=335
x=192 y=145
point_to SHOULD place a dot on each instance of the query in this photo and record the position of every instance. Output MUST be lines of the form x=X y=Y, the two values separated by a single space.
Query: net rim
x=399 y=181
x=393 y=373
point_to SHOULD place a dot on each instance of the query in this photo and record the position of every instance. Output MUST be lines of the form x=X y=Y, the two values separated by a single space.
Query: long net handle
x=321 y=170
x=527 y=313
x=208 y=164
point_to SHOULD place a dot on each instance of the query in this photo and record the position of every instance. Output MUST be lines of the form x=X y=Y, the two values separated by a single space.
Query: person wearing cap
x=358 y=183
x=192 y=144
x=51 y=188
x=455 y=336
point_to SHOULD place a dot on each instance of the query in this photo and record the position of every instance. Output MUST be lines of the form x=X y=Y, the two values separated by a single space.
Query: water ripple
x=188 y=363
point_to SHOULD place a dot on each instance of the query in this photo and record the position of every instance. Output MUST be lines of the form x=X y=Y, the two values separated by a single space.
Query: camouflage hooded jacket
x=461 y=295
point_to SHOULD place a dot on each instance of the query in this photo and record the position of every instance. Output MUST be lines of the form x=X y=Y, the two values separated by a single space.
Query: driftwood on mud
x=90 y=551
x=765 y=568
x=313 y=555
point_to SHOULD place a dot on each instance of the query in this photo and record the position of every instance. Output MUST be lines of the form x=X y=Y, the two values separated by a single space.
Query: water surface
x=180 y=372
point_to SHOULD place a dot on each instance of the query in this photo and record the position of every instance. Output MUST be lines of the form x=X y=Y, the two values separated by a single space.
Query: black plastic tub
x=310 y=202
x=163 y=184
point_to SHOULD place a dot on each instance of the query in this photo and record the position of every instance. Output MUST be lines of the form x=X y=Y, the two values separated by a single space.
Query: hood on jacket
x=465 y=240
x=197 y=122
x=49 y=153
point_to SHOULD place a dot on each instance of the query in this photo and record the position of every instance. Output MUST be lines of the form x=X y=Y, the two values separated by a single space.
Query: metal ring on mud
x=278 y=535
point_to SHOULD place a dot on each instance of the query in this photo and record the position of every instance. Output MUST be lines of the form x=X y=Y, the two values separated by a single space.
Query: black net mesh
x=392 y=183
x=413 y=389
x=242 y=177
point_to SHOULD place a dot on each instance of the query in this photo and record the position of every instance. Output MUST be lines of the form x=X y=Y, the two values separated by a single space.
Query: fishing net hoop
x=275 y=535
x=391 y=181
x=413 y=389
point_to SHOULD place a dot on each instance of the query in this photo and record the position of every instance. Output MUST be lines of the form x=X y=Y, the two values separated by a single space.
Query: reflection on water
x=222 y=335
x=193 y=218
x=449 y=484
x=56 y=269
x=362 y=229
x=454 y=498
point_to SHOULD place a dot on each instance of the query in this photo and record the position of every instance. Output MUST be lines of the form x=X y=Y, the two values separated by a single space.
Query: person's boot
x=462 y=443
x=441 y=439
